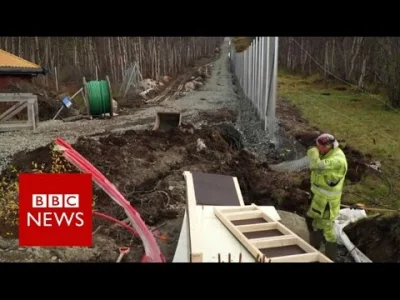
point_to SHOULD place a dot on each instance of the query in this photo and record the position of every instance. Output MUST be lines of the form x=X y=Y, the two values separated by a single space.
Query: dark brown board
x=262 y=234
x=282 y=251
x=214 y=189
x=249 y=221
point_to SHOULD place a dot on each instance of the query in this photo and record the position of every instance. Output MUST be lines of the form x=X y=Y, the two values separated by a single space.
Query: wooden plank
x=243 y=215
x=238 y=191
x=15 y=97
x=31 y=115
x=36 y=112
x=196 y=253
x=16 y=122
x=12 y=108
x=272 y=239
x=257 y=227
x=281 y=241
x=15 y=94
x=14 y=112
x=292 y=245
x=306 y=257
x=247 y=208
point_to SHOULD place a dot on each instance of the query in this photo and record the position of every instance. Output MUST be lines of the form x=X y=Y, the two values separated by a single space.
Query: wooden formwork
x=22 y=101
x=195 y=249
x=195 y=199
x=267 y=240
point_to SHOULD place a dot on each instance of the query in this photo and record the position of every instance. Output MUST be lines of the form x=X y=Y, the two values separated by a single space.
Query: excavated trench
x=146 y=166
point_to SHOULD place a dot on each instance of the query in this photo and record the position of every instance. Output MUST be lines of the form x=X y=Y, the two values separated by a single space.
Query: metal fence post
x=256 y=69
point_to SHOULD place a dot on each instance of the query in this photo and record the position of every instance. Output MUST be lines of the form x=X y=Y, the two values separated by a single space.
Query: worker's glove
x=313 y=153
x=312 y=156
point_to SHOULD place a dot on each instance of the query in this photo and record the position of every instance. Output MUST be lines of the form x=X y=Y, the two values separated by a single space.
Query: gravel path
x=215 y=94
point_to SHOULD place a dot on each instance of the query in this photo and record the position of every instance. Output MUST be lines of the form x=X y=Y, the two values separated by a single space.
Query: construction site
x=214 y=166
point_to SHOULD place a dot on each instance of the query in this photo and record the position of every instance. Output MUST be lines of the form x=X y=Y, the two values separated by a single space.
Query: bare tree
x=355 y=60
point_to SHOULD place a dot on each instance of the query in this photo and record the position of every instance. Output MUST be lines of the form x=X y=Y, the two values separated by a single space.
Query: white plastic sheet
x=346 y=217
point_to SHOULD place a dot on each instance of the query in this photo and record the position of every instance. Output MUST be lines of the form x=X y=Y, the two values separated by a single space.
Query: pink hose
x=153 y=253
x=109 y=218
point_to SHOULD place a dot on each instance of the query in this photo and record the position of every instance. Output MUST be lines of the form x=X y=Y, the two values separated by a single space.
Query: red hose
x=152 y=249
x=109 y=218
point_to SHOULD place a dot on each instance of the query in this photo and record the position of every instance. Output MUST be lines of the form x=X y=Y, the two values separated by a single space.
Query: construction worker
x=328 y=167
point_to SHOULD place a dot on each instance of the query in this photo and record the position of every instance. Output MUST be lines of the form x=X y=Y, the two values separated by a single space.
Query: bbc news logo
x=55 y=218
x=55 y=210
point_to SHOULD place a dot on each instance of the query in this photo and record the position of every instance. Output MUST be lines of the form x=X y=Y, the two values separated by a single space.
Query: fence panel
x=256 y=69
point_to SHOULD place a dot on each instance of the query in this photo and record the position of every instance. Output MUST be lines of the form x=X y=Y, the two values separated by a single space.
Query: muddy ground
x=147 y=166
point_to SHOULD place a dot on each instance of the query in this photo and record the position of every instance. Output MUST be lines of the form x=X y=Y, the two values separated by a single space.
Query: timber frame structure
x=215 y=207
x=267 y=240
x=22 y=101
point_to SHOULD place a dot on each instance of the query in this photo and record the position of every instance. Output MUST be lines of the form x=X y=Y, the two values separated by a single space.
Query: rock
x=147 y=84
x=200 y=145
x=189 y=86
x=150 y=93
x=54 y=258
x=3 y=244
x=166 y=79
x=197 y=84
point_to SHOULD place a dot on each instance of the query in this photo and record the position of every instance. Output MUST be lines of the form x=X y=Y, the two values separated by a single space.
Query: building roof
x=12 y=64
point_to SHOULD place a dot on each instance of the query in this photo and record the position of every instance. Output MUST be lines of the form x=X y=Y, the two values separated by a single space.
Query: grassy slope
x=362 y=121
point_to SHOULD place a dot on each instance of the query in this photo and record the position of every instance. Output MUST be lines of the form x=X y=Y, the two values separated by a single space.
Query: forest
x=368 y=63
x=74 y=57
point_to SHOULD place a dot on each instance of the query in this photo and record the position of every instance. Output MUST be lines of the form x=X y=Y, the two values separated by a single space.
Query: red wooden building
x=14 y=69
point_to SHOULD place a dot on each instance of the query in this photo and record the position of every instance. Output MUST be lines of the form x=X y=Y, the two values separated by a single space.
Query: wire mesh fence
x=257 y=71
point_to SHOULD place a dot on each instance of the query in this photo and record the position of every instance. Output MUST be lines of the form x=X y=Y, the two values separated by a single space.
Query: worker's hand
x=313 y=155
x=313 y=151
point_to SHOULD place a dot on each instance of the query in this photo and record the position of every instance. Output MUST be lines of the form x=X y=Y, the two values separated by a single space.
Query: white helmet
x=327 y=139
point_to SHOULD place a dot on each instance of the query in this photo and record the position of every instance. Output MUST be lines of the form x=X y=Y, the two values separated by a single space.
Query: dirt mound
x=382 y=243
x=48 y=109
x=221 y=115
x=104 y=250
x=147 y=167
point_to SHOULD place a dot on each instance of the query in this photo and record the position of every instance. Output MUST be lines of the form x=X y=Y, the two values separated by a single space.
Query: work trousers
x=322 y=224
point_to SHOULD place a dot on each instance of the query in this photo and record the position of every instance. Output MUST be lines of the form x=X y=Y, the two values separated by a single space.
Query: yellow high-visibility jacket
x=328 y=173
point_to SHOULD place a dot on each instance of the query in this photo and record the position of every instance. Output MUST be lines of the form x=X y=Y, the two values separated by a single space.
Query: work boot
x=316 y=238
x=331 y=251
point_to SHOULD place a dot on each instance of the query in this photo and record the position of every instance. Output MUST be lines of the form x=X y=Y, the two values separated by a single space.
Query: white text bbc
x=55 y=201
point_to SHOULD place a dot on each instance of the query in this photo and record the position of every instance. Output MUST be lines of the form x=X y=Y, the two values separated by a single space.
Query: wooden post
x=85 y=96
x=111 y=96
x=56 y=75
